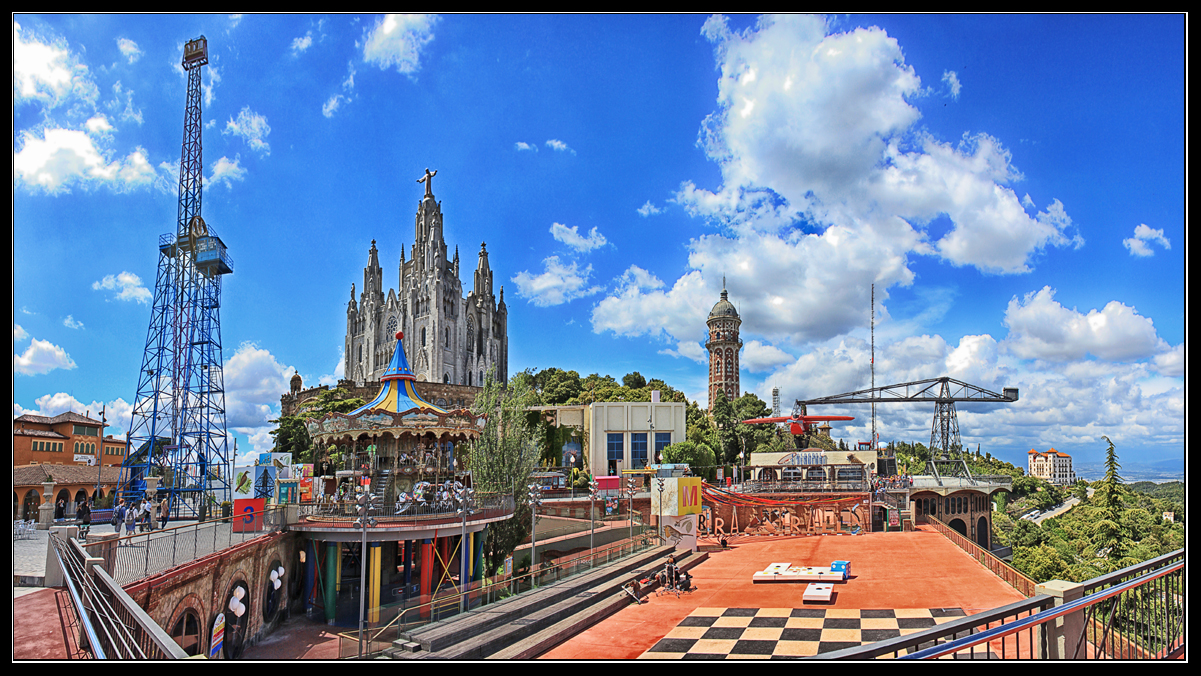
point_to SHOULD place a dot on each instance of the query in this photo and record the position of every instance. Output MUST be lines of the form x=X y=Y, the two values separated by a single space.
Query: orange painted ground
x=921 y=569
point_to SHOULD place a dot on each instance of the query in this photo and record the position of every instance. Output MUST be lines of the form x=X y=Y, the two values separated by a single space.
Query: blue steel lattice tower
x=178 y=428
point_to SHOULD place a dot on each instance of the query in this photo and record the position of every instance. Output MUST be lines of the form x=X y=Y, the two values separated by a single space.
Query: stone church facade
x=449 y=338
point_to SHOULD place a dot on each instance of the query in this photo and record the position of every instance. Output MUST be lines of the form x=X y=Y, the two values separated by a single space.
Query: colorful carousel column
x=374 y=566
x=333 y=565
x=427 y=575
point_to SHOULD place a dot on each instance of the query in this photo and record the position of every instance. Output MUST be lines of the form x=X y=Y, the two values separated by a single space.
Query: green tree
x=502 y=459
x=1111 y=498
x=725 y=420
x=699 y=457
x=1040 y=563
x=290 y=434
x=634 y=380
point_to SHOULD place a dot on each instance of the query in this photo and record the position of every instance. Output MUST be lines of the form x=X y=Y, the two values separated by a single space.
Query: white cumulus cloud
x=952 y=81
x=648 y=209
x=129 y=49
x=558 y=283
x=226 y=171
x=1041 y=328
x=1144 y=235
x=556 y=144
x=572 y=237
x=127 y=285
x=41 y=357
x=301 y=44
x=398 y=39
x=253 y=129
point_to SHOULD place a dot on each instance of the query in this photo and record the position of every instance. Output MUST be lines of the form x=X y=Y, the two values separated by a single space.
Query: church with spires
x=450 y=338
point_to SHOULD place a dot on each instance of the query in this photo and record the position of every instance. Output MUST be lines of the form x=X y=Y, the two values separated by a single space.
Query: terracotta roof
x=69 y=416
x=31 y=475
x=39 y=433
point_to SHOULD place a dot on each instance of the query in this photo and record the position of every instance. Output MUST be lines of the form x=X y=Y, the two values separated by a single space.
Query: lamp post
x=630 y=512
x=466 y=500
x=660 y=480
x=592 y=488
x=364 y=507
x=535 y=498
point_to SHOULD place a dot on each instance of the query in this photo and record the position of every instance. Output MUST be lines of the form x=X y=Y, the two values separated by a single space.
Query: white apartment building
x=1053 y=466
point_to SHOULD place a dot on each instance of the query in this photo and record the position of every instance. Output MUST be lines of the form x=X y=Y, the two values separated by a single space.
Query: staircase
x=529 y=624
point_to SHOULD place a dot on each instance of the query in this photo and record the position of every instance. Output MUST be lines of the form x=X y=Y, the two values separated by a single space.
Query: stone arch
x=30 y=503
x=958 y=526
x=235 y=627
x=982 y=532
x=274 y=596
x=187 y=626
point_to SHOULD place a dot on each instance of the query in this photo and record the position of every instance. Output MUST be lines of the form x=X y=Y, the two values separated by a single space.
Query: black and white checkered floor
x=765 y=633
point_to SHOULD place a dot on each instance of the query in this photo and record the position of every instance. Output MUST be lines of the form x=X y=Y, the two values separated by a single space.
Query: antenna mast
x=874 y=440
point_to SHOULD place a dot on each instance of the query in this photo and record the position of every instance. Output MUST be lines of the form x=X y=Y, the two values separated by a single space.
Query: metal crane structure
x=944 y=392
x=178 y=429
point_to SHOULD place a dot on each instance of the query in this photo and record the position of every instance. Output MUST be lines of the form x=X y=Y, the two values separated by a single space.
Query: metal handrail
x=1044 y=617
x=85 y=620
x=894 y=646
x=485 y=588
x=125 y=630
x=1009 y=574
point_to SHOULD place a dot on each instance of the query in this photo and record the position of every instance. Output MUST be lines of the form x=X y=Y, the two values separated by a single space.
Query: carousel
x=408 y=448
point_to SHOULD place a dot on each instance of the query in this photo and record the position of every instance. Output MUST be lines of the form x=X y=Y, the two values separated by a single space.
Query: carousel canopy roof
x=396 y=392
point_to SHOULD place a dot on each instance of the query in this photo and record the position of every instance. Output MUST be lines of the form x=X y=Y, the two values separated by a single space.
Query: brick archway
x=959 y=526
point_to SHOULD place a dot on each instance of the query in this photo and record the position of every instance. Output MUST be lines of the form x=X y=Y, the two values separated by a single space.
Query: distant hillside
x=1172 y=491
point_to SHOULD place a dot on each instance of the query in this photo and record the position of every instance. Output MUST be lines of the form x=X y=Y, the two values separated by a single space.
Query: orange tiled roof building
x=1053 y=466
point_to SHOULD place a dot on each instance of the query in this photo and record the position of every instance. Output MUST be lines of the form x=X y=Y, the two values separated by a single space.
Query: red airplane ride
x=798 y=424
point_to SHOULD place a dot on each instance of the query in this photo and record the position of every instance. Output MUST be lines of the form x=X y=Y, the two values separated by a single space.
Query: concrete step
x=525 y=613
x=551 y=636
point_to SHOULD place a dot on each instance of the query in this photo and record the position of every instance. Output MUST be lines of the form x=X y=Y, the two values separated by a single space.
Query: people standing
x=60 y=509
x=162 y=511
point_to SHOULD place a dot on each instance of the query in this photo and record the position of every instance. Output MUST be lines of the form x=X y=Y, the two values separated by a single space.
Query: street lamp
x=534 y=497
x=660 y=480
x=592 y=488
x=466 y=500
x=365 y=505
x=630 y=512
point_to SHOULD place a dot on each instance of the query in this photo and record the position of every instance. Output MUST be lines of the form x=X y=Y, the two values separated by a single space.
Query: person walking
x=83 y=515
x=131 y=520
x=118 y=518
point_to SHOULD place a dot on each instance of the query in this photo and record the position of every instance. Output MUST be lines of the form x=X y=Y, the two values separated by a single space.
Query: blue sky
x=1012 y=185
